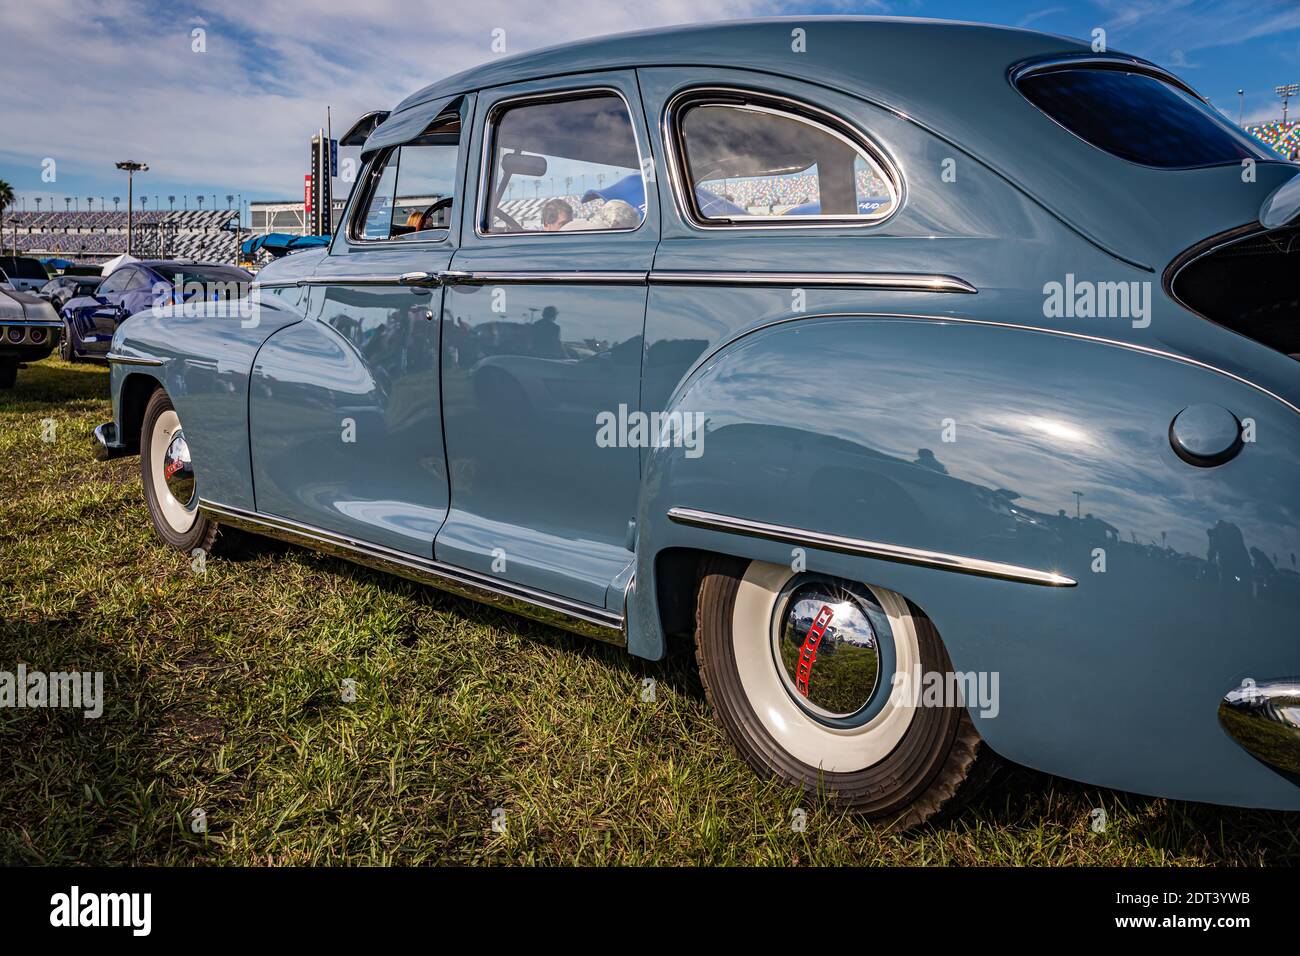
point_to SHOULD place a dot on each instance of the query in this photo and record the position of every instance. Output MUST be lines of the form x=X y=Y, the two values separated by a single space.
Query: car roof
x=950 y=78
x=890 y=54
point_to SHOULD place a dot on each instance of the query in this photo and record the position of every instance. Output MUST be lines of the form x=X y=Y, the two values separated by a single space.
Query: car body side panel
x=840 y=424
x=207 y=351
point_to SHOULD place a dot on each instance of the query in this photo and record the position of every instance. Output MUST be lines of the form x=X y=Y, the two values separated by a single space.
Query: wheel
x=169 y=486
x=8 y=373
x=66 y=351
x=818 y=682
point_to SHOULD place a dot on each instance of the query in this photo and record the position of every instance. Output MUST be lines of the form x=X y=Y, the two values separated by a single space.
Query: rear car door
x=344 y=417
x=544 y=314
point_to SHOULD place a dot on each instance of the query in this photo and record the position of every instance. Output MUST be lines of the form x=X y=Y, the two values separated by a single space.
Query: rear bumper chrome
x=1264 y=717
x=105 y=446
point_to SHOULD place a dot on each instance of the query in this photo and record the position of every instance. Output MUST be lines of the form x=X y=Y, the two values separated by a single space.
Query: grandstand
x=212 y=235
x=1282 y=138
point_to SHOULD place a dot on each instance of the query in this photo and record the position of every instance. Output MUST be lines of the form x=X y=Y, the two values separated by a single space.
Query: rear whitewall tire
x=830 y=749
x=907 y=764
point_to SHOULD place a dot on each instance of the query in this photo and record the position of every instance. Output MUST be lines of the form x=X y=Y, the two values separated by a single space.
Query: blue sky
x=89 y=82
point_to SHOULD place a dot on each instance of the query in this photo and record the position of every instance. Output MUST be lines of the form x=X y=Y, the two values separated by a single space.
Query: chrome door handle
x=419 y=278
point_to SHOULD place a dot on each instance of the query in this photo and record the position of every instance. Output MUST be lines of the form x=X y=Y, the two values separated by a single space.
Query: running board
x=574 y=616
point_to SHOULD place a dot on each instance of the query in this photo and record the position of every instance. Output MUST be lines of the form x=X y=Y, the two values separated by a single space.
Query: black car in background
x=25 y=273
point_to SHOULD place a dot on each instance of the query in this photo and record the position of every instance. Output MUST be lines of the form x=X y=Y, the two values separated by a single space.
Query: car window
x=413 y=187
x=24 y=267
x=116 y=282
x=1137 y=117
x=567 y=165
x=750 y=162
x=137 y=280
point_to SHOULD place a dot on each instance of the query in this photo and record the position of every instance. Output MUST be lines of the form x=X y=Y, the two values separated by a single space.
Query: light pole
x=1241 y=106
x=171 y=203
x=131 y=167
x=1286 y=91
x=116 y=200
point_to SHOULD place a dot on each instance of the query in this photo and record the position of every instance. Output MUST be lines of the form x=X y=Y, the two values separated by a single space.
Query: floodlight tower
x=131 y=167
x=1286 y=91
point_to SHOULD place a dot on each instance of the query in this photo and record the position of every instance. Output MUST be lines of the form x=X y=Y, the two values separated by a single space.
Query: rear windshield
x=1137 y=117
x=23 y=267
x=199 y=273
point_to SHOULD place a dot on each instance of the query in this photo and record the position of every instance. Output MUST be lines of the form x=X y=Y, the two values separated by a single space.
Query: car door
x=544 y=313
x=344 y=416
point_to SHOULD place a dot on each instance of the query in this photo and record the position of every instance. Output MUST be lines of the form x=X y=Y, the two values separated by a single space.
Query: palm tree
x=6 y=200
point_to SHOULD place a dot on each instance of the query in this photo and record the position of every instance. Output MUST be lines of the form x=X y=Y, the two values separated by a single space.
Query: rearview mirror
x=522 y=164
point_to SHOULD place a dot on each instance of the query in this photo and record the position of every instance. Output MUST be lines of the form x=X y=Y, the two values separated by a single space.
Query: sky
x=91 y=82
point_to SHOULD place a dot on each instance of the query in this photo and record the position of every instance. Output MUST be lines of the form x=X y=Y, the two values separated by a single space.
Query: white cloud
x=89 y=82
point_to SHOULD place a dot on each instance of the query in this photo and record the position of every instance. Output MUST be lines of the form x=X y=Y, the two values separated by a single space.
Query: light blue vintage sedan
x=940 y=379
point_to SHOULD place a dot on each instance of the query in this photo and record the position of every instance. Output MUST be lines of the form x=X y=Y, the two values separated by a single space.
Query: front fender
x=203 y=354
x=1037 y=450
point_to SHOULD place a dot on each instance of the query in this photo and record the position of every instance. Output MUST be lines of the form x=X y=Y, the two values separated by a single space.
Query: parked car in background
x=90 y=320
x=78 y=269
x=29 y=330
x=924 y=401
x=59 y=290
x=25 y=273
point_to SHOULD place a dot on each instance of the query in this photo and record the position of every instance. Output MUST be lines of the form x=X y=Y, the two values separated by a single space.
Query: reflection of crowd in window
x=793 y=190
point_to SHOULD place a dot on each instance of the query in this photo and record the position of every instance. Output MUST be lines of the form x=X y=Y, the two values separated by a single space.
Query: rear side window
x=749 y=162
x=1137 y=117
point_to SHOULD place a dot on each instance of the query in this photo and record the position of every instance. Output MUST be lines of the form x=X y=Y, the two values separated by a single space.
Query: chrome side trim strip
x=569 y=278
x=584 y=619
x=869 y=549
x=894 y=281
x=118 y=358
x=403 y=279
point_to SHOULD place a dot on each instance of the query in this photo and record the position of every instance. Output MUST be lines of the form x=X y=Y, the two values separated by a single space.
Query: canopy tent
x=281 y=244
x=112 y=265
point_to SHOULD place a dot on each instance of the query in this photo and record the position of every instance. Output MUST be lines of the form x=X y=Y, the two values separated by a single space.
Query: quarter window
x=413 y=187
x=565 y=165
x=752 y=162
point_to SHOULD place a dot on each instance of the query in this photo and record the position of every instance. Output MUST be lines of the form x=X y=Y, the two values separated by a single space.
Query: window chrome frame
x=364 y=189
x=488 y=146
x=850 y=133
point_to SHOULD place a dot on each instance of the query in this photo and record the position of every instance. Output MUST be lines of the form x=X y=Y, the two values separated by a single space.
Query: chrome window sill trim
x=117 y=358
x=870 y=549
x=897 y=282
x=584 y=619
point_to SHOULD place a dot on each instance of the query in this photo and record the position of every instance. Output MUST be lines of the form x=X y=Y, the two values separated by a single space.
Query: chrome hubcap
x=177 y=471
x=826 y=649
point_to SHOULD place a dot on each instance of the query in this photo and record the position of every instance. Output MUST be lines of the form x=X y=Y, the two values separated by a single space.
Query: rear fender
x=1032 y=449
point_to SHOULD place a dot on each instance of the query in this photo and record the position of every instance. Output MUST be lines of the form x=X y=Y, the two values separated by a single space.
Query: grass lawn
x=223 y=692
